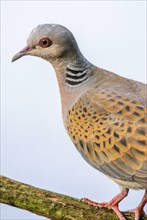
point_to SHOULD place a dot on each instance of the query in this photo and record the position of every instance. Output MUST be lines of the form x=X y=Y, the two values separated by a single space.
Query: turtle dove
x=104 y=114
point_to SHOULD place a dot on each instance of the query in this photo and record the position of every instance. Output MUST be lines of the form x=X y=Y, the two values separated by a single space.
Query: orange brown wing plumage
x=109 y=130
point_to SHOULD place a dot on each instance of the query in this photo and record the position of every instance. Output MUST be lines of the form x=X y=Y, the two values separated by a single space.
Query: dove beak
x=22 y=53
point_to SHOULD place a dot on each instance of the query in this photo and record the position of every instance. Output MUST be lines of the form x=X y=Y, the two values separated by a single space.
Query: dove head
x=50 y=42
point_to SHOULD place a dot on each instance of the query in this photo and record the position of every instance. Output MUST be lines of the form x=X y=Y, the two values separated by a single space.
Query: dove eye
x=45 y=42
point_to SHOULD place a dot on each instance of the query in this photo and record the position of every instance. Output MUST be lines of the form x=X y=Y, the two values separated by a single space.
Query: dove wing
x=109 y=129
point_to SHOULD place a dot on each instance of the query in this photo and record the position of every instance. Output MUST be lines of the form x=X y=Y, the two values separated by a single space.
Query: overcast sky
x=35 y=147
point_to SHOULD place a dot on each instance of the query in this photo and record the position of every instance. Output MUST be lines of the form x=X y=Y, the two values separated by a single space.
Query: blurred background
x=35 y=148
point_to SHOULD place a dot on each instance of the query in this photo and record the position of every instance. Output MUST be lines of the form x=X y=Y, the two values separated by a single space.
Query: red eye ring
x=45 y=42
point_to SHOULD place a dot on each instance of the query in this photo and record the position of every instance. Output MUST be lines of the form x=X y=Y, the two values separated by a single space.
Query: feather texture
x=108 y=127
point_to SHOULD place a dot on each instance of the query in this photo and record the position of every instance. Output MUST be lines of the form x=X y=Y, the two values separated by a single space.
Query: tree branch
x=51 y=205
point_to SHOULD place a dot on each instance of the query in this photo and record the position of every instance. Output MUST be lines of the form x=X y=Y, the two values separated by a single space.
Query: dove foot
x=113 y=204
x=139 y=210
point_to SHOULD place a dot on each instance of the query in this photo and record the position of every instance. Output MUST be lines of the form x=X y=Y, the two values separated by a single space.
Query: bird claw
x=106 y=205
x=137 y=212
x=113 y=204
x=123 y=218
x=90 y=202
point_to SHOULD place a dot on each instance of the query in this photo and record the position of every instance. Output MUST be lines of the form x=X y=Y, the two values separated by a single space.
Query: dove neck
x=73 y=70
x=74 y=76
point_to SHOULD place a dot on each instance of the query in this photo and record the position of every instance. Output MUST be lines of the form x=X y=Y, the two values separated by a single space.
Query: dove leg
x=113 y=204
x=139 y=210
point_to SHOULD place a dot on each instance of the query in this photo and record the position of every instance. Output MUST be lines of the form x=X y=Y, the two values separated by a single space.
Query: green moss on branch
x=51 y=205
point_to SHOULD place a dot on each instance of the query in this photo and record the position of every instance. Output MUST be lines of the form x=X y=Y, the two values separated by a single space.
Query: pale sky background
x=35 y=147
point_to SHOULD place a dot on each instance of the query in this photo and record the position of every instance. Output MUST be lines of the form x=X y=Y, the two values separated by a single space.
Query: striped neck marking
x=75 y=77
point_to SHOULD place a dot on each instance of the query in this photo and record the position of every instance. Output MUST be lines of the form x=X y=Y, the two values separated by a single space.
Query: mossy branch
x=51 y=205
